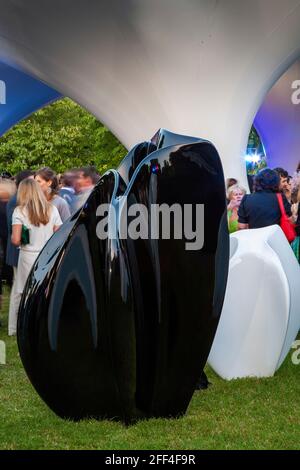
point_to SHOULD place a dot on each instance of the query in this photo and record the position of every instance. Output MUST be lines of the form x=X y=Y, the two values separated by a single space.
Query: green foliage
x=254 y=168
x=62 y=135
x=255 y=146
x=254 y=141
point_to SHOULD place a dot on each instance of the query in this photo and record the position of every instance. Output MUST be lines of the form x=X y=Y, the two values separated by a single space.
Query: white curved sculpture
x=193 y=67
x=261 y=312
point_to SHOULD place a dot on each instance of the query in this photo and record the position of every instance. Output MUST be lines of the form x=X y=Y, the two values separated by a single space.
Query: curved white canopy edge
x=195 y=67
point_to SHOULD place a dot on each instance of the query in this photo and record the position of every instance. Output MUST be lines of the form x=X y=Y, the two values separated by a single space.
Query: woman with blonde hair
x=34 y=221
x=235 y=195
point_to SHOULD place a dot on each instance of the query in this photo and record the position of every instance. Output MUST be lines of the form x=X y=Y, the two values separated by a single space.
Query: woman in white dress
x=35 y=213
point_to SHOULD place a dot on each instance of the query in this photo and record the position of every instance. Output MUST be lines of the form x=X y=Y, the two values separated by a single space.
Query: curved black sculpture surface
x=122 y=327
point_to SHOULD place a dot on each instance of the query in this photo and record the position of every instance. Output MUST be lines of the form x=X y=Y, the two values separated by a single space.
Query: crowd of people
x=33 y=205
x=262 y=208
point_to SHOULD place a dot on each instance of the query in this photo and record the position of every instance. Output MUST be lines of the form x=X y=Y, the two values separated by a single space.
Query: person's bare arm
x=16 y=234
x=243 y=226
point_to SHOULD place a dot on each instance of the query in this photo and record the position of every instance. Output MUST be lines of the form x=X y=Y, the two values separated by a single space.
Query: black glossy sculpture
x=122 y=328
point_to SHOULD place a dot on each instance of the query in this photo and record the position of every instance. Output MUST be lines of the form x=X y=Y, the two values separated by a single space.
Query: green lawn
x=241 y=414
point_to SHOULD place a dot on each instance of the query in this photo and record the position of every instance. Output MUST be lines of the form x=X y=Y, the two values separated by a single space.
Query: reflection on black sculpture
x=122 y=328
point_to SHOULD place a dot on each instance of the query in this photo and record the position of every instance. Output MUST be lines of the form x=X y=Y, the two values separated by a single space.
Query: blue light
x=253 y=158
x=155 y=169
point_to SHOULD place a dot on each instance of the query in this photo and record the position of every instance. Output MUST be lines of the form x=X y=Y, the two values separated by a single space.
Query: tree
x=63 y=136
x=255 y=147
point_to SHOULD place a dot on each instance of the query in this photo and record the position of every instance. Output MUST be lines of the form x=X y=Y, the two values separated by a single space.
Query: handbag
x=25 y=235
x=286 y=226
